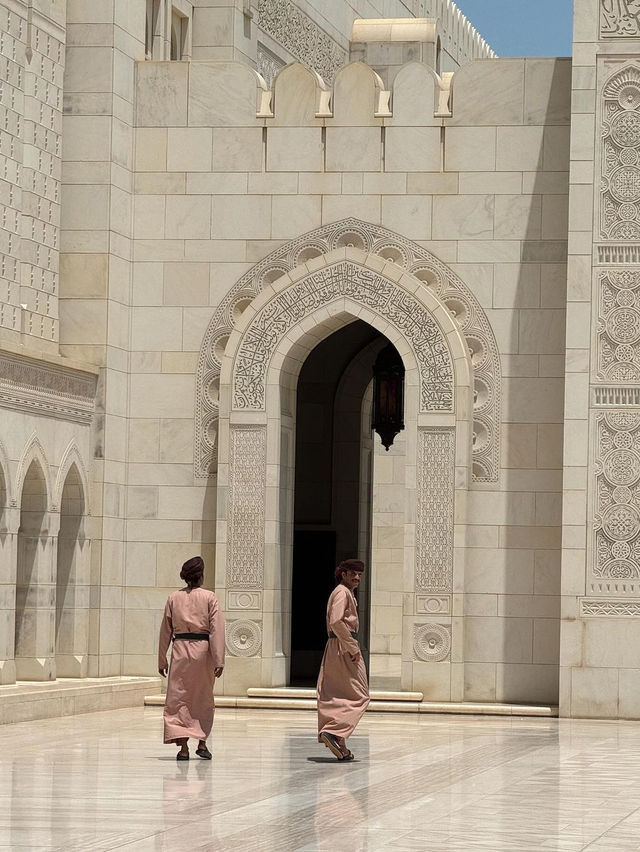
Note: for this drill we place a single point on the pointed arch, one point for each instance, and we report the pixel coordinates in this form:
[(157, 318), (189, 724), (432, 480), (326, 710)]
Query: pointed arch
[(348, 281), (33, 451), (70, 457), (400, 255), (300, 97)]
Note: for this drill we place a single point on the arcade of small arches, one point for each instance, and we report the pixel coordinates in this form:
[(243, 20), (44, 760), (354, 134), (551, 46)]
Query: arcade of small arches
[(45, 546)]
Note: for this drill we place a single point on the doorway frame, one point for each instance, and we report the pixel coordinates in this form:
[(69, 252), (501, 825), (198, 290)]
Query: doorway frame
[(256, 451)]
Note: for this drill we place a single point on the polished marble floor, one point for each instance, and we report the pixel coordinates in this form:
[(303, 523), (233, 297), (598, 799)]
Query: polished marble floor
[(104, 781)]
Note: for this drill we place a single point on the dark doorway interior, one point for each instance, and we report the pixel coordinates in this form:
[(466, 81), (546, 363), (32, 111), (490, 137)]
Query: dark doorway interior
[(314, 555), (328, 487)]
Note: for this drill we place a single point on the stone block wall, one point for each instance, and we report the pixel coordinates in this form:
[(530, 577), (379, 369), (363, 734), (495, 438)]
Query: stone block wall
[(484, 190)]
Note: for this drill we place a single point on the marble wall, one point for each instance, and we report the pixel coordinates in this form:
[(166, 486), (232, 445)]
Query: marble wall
[(482, 192), (152, 210), (600, 568)]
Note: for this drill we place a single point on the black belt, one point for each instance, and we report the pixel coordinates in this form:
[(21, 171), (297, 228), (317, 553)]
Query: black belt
[(203, 636), (332, 635)]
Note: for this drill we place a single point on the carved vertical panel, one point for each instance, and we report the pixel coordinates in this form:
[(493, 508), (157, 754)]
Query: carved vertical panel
[(615, 562), (620, 157), (618, 326), (434, 522), (247, 481)]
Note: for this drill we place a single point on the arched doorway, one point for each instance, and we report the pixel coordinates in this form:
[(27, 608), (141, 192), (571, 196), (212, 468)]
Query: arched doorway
[(332, 495), (35, 584), (72, 581), (258, 383)]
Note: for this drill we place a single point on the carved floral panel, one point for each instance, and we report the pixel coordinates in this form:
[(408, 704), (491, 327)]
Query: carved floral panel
[(434, 521), (616, 524), (620, 187), (247, 466), (618, 326)]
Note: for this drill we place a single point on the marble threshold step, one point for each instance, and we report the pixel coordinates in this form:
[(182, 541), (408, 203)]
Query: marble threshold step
[(26, 701), (292, 698)]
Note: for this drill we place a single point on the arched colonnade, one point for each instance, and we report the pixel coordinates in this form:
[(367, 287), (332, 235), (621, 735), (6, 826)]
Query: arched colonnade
[(45, 554)]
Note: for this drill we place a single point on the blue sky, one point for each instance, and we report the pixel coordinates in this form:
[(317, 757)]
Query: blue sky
[(523, 27)]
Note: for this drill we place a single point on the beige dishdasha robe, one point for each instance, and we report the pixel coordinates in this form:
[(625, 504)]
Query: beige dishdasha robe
[(189, 705), (343, 691)]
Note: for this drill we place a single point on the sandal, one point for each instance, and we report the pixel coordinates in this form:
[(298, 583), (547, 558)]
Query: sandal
[(332, 744), (204, 753), (348, 756)]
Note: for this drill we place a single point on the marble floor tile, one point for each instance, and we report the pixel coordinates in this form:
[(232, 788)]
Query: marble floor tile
[(104, 781)]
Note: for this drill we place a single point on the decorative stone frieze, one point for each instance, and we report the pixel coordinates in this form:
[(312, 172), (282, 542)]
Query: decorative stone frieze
[(616, 501), (434, 521), (366, 288), (614, 397), (619, 19), (243, 638), (245, 565), (591, 608), (434, 274), (29, 385), (618, 255), (301, 37), (432, 642)]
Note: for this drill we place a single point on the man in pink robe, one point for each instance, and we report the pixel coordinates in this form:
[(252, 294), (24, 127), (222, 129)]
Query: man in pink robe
[(192, 619), (343, 691)]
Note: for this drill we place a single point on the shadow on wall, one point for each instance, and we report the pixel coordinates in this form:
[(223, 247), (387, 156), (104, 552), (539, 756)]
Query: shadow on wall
[(533, 374)]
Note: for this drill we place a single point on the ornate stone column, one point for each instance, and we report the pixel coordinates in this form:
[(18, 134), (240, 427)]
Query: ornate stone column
[(36, 602), (10, 521)]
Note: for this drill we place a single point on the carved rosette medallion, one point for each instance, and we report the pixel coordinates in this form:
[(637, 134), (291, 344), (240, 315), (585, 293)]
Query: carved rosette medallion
[(432, 642), (322, 288), (616, 528), (434, 275), (620, 190), (619, 19), (434, 521), (243, 638)]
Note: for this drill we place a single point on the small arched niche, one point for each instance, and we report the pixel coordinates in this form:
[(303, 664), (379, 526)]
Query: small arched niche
[(35, 612), (72, 581)]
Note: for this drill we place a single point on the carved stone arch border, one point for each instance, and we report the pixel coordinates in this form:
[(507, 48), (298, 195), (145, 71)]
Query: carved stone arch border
[(408, 256), (34, 451), (350, 276), (70, 457)]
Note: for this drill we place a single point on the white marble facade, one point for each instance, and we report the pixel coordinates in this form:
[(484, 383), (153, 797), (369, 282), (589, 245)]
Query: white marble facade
[(180, 233)]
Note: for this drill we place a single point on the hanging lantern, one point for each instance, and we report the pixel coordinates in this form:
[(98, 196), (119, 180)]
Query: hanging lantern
[(388, 395)]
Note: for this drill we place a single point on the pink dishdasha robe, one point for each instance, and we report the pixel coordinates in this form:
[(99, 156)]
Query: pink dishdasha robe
[(189, 706), (343, 692)]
